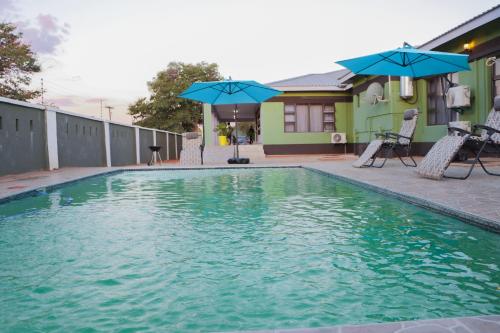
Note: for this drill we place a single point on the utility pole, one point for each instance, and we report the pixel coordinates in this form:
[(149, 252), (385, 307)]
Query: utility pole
[(43, 90), (109, 110)]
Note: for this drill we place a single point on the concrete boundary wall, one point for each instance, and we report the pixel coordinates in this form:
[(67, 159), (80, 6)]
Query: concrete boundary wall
[(146, 139), (36, 137), (80, 141)]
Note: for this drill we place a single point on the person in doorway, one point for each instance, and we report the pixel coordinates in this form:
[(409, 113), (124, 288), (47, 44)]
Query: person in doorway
[(229, 134), (251, 134)]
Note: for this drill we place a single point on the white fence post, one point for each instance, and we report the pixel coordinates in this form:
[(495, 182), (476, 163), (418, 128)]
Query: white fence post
[(168, 147), (107, 143), (51, 130), (176, 152), (137, 146)]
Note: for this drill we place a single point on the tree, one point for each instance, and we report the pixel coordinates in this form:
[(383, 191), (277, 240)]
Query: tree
[(163, 109), (17, 64)]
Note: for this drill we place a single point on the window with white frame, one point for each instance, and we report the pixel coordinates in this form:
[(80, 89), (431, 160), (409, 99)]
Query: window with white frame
[(437, 113), (303, 118)]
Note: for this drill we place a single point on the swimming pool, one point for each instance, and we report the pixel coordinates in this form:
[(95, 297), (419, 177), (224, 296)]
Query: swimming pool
[(219, 250)]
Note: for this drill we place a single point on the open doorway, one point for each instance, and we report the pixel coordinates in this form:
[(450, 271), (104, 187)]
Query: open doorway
[(247, 132)]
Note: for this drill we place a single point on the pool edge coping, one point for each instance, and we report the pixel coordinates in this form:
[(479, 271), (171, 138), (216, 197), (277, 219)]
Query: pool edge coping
[(442, 325)]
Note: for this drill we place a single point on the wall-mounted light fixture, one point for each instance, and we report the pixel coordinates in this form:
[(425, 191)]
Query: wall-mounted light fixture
[(469, 46)]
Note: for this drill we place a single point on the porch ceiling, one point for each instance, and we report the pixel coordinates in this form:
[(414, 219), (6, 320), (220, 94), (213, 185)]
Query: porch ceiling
[(246, 112)]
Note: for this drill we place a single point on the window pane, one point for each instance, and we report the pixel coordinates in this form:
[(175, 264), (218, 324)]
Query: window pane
[(497, 66), (302, 115), (497, 88), (316, 118), (328, 116), (328, 127), (328, 108), (437, 112), (289, 118), (289, 108), (289, 128)]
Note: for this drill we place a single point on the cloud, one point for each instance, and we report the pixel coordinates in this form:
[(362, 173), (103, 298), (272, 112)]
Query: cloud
[(93, 100), (7, 6), (45, 35), (63, 101)]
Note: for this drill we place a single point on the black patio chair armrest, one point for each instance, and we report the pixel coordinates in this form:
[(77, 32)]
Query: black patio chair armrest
[(397, 136), (489, 129), (459, 130)]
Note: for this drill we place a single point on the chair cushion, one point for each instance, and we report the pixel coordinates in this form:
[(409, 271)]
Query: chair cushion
[(410, 113), (440, 156)]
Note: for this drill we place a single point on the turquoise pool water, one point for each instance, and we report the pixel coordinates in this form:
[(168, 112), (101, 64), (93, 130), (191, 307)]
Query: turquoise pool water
[(220, 250)]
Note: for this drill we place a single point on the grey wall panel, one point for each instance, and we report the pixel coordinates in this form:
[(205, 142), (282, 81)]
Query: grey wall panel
[(146, 140), (80, 141), (179, 145), (22, 139), (122, 142), (171, 146), (161, 140)]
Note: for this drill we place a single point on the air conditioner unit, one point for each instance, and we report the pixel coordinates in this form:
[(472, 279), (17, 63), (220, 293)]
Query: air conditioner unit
[(338, 138), (458, 97)]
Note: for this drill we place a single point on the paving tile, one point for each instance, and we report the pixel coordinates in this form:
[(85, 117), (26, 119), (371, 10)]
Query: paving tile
[(311, 330), (425, 328), (477, 325), (374, 328), (460, 329)]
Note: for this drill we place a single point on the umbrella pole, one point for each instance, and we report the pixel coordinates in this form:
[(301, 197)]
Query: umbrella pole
[(202, 146), (236, 128)]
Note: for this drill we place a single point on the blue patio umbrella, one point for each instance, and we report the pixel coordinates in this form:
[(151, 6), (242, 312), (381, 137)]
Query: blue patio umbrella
[(408, 61), (229, 92)]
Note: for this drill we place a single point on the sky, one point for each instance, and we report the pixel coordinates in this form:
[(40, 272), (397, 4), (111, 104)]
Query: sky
[(108, 50)]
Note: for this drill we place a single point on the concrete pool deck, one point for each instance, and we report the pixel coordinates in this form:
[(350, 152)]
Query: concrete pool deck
[(474, 200), (478, 324)]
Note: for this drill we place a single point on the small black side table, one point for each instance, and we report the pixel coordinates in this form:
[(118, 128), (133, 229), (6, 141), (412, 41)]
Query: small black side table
[(155, 150)]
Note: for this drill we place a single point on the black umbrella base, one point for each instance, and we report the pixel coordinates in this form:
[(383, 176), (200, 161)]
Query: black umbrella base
[(241, 160)]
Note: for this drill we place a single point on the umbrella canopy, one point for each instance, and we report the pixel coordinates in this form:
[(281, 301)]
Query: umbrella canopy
[(229, 92), (408, 61)]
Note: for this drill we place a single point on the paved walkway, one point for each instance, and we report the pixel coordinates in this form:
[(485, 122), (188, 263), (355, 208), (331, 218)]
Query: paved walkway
[(480, 324)]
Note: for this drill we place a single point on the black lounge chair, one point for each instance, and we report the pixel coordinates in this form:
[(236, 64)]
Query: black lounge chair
[(444, 151), (390, 143)]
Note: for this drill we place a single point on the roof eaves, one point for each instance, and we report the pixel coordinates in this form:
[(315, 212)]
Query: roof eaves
[(473, 23)]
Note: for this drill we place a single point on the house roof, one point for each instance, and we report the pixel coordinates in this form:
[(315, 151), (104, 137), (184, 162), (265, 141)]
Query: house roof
[(330, 81), (471, 24)]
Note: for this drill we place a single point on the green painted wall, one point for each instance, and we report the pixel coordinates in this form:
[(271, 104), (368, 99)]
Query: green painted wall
[(273, 128), (370, 119)]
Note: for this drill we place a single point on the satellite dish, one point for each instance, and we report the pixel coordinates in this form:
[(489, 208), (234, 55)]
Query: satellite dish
[(374, 93)]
